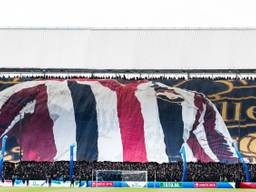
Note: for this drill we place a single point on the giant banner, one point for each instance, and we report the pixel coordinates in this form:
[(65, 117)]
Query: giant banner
[(136, 121)]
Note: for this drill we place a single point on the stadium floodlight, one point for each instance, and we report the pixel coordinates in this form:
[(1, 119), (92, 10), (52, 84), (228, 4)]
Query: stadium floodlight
[(131, 178)]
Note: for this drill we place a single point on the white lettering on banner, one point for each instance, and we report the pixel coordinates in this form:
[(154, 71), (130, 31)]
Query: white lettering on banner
[(7, 183), (56, 183), (136, 184), (38, 183)]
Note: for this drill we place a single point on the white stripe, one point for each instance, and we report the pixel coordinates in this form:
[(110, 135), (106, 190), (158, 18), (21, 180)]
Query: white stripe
[(189, 154), (109, 136), (153, 132), (188, 116), (60, 106), (188, 113)]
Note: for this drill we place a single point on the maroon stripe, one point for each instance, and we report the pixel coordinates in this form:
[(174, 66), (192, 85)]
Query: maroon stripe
[(216, 140), (131, 121), (36, 134), (197, 150), (193, 143)]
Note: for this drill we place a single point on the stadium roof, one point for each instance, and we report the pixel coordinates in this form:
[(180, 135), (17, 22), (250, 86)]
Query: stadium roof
[(127, 49)]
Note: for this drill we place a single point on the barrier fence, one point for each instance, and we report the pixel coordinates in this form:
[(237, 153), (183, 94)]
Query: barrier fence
[(128, 184)]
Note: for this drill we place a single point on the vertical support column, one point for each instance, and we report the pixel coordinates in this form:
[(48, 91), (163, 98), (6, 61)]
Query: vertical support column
[(241, 159), (71, 163), (4, 140), (183, 155)]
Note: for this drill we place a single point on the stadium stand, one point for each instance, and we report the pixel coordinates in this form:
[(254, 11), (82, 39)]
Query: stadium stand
[(83, 170), (179, 128)]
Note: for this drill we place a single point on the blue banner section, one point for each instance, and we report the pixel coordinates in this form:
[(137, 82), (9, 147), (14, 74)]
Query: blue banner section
[(225, 185)]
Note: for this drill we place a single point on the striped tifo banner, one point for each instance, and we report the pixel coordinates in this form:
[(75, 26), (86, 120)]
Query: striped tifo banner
[(108, 120)]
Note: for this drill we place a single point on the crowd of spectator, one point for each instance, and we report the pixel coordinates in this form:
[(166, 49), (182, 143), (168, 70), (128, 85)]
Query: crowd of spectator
[(84, 170), (123, 77)]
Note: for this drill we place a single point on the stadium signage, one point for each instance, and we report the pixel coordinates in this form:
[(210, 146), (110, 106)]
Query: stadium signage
[(80, 184), (136, 184), (56, 183), (248, 185), (170, 184), (6, 183), (19, 183), (38, 183), (102, 184), (205, 185)]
